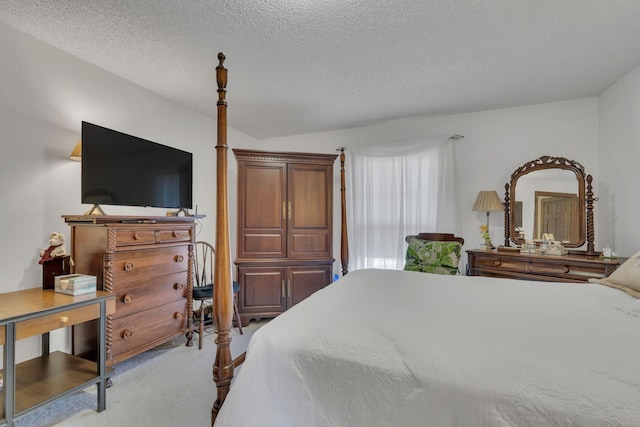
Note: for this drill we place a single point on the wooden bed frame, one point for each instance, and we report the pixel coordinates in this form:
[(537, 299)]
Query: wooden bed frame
[(224, 364)]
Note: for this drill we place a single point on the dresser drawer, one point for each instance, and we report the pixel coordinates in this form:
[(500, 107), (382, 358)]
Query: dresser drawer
[(148, 328), (567, 269), (126, 237), (175, 235), (149, 292), (142, 264), (500, 263)]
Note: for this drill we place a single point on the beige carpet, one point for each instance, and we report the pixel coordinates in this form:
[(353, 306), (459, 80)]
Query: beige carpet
[(171, 385)]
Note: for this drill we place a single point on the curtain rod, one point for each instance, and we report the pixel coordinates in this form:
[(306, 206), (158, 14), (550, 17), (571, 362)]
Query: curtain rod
[(453, 137)]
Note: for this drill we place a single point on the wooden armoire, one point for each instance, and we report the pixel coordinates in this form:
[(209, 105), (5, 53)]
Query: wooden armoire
[(285, 229)]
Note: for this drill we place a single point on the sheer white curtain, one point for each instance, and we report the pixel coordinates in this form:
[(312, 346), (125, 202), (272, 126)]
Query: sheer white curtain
[(397, 190)]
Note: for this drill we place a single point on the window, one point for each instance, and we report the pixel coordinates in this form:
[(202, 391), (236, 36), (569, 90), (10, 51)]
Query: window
[(393, 194)]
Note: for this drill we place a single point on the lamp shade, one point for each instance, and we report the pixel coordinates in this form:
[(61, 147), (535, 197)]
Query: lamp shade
[(488, 201), (76, 154)]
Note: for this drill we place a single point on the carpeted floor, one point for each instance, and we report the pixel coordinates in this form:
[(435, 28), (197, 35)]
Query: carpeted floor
[(171, 385)]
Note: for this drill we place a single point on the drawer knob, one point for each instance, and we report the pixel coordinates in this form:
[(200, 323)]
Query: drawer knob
[(178, 286), (64, 319), (565, 269), (136, 236), (127, 333), (177, 315), (178, 258), (175, 234), (497, 263), (127, 299), (128, 266)]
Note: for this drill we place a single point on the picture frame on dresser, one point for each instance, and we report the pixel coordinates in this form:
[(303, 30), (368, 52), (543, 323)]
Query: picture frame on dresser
[(532, 211)]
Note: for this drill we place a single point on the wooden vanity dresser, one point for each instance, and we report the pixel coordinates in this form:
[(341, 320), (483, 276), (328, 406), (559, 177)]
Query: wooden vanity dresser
[(547, 196), (147, 263)]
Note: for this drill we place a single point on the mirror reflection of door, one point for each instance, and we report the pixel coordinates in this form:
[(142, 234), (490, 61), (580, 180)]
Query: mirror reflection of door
[(556, 213)]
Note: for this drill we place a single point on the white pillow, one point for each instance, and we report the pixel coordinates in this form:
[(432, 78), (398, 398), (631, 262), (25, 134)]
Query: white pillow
[(626, 277)]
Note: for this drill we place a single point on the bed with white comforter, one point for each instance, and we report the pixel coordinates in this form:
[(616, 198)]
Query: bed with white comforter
[(396, 348)]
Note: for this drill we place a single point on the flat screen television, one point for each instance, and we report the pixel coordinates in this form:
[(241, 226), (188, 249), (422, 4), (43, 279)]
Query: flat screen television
[(124, 170)]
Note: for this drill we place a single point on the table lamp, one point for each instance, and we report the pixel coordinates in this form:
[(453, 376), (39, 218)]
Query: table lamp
[(488, 201)]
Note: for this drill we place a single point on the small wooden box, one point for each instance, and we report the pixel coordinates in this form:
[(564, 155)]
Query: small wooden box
[(56, 267), (75, 284)]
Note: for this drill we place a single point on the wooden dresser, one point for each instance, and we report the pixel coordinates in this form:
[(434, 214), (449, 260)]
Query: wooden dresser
[(147, 263), (514, 265), (285, 229)]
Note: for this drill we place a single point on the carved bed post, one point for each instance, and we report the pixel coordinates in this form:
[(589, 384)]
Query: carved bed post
[(344, 240), (223, 294)]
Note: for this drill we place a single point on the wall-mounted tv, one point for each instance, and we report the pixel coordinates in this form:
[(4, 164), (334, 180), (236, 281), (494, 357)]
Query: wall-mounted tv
[(121, 169)]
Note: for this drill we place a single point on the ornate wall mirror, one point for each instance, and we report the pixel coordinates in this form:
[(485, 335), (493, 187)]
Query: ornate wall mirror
[(550, 195)]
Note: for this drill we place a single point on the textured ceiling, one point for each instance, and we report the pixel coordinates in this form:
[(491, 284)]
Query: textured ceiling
[(300, 66)]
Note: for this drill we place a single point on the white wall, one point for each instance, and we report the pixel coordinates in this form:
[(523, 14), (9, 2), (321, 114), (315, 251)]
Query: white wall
[(44, 95), (495, 144), (619, 155)]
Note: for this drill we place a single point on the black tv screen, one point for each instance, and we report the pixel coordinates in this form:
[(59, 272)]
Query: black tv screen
[(121, 169)]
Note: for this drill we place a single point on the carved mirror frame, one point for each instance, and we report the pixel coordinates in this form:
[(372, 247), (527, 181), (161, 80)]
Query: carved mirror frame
[(585, 199)]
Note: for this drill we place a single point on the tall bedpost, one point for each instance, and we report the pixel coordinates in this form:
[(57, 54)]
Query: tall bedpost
[(344, 240), (223, 293)]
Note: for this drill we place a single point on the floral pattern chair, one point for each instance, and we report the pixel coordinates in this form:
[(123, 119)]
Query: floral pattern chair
[(437, 253)]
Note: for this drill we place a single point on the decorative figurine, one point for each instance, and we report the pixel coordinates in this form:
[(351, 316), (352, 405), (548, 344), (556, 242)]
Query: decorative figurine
[(56, 248)]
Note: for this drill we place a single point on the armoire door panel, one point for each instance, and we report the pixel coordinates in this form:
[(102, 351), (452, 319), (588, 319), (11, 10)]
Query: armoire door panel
[(265, 185), (262, 289), (264, 195), (262, 190), (308, 195), (309, 244), (263, 244), (309, 226), (304, 281)]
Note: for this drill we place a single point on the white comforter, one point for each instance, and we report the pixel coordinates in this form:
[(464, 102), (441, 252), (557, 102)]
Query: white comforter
[(394, 348)]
